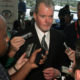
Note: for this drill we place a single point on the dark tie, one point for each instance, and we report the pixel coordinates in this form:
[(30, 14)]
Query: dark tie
[(43, 43)]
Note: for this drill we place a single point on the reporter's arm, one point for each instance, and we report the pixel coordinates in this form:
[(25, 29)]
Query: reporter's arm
[(28, 66), (15, 44), (22, 60), (22, 73)]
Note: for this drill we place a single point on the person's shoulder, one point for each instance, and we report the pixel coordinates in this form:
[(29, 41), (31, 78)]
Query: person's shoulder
[(57, 33), (70, 26)]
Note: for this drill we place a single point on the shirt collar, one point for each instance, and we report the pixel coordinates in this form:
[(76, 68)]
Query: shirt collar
[(40, 33)]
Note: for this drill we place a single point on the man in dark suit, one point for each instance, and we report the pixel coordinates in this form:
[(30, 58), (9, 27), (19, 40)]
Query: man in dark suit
[(56, 57)]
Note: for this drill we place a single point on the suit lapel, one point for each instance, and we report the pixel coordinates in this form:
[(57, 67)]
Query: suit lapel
[(52, 40), (35, 38)]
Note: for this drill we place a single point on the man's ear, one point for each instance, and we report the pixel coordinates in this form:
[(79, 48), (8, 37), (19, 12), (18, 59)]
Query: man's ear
[(34, 15), (7, 39)]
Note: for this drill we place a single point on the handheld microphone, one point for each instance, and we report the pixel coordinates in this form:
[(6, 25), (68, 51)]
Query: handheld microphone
[(29, 49), (28, 35), (66, 47)]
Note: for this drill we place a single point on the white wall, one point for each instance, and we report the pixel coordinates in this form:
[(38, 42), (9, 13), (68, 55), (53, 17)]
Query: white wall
[(9, 9)]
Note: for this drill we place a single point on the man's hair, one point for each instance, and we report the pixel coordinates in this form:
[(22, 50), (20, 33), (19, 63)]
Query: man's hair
[(78, 5), (48, 3)]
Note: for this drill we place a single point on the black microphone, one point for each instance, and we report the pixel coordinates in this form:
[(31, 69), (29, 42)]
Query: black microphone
[(32, 47)]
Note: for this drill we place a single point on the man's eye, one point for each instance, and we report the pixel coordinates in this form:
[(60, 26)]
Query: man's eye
[(51, 16), (42, 16)]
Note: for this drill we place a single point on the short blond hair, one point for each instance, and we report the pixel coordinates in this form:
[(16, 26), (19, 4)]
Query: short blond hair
[(48, 3)]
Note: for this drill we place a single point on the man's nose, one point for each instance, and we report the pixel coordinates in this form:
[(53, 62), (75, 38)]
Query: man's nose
[(47, 20)]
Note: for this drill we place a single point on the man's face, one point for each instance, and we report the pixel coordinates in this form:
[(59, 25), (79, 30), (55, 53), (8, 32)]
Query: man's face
[(67, 18), (78, 12), (44, 17), (3, 42)]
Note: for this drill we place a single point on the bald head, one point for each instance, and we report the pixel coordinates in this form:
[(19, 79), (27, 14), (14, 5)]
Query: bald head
[(3, 36), (2, 23)]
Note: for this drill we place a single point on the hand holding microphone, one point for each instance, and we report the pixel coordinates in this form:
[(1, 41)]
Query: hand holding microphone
[(67, 48), (70, 53), (41, 56)]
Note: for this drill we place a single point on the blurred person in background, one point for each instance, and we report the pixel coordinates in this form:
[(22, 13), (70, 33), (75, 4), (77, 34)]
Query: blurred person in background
[(65, 18)]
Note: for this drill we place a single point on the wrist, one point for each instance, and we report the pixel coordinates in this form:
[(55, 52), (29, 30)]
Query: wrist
[(14, 67), (11, 71), (29, 65)]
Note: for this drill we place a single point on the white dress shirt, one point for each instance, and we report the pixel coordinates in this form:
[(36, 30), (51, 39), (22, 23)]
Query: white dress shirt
[(41, 34)]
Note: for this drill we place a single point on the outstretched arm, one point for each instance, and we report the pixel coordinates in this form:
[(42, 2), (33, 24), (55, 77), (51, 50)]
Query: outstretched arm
[(22, 60), (28, 66), (15, 44)]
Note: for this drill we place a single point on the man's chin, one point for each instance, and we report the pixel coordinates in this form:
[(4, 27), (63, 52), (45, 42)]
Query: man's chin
[(45, 31)]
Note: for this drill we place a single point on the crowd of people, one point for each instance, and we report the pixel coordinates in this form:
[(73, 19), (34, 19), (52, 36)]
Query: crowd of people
[(37, 52)]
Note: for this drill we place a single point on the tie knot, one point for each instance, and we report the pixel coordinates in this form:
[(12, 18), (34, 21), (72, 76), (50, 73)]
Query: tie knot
[(43, 37), (43, 43)]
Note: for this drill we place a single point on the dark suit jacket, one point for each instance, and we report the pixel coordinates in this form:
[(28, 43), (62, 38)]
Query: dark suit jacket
[(56, 56)]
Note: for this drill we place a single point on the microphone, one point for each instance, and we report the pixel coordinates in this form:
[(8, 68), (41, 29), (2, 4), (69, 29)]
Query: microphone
[(65, 70), (28, 35), (66, 47), (29, 50), (32, 47)]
